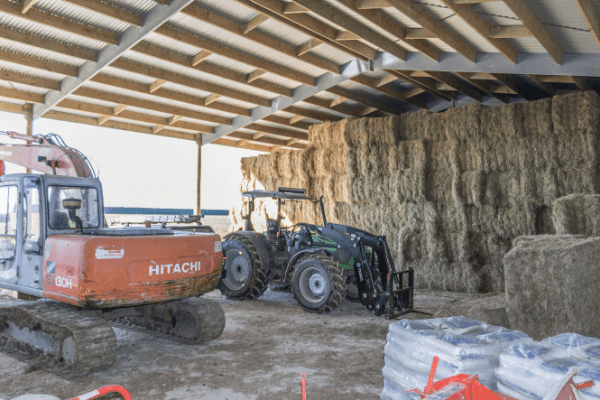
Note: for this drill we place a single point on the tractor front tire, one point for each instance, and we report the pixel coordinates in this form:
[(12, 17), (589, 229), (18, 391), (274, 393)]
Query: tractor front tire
[(318, 284), (245, 279), (352, 290)]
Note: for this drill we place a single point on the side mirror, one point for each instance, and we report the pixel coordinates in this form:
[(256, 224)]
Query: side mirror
[(32, 246)]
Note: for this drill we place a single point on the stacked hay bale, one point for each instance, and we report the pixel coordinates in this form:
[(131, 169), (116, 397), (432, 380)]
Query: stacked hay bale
[(577, 214), (451, 190)]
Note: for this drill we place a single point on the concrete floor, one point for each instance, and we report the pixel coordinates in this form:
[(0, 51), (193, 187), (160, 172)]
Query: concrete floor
[(266, 345)]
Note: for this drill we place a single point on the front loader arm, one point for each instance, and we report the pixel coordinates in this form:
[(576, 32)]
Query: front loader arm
[(46, 156)]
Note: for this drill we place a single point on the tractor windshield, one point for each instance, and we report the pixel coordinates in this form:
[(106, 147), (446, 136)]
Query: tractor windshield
[(59, 216)]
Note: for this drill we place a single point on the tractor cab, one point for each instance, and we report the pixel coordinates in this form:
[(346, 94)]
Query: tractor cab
[(280, 236)]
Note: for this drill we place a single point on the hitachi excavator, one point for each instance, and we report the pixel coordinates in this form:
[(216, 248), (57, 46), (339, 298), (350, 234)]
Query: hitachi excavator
[(56, 250)]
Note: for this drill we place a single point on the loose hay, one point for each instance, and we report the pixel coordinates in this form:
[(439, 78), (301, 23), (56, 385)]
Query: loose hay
[(450, 190), (552, 285)]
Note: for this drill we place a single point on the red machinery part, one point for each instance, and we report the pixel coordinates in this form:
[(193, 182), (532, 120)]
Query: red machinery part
[(105, 390), (468, 387), (303, 378)]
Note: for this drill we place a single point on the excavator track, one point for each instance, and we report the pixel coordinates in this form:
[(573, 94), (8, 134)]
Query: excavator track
[(56, 338), (191, 321)]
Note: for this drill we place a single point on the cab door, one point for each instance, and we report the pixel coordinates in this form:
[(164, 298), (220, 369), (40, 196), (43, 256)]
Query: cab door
[(10, 231), (32, 257)]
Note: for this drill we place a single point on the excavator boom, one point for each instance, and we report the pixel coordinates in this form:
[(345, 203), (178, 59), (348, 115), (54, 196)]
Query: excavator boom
[(46, 154)]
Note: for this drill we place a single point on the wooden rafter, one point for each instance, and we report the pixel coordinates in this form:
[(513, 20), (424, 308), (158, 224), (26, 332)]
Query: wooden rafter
[(310, 26), (456, 83), (335, 105), (590, 16), (482, 27), (170, 94), (264, 140), (302, 113), (414, 12), (262, 130), (364, 100), (546, 87), (168, 76), (26, 5), (487, 87), (426, 84), (380, 87), (223, 23), (353, 26), (249, 146), (531, 21), (510, 32), (150, 105), (208, 68), (385, 22), (57, 22), (234, 54), (109, 10)]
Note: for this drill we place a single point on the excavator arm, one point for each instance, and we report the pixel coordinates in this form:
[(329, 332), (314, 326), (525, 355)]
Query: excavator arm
[(47, 154)]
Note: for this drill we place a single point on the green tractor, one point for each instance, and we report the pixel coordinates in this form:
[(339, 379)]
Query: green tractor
[(321, 264)]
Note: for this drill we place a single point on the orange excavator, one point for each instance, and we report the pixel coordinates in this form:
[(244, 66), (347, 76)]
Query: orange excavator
[(55, 249)]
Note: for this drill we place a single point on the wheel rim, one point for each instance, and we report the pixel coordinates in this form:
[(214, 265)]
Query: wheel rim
[(313, 285), (238, 270)]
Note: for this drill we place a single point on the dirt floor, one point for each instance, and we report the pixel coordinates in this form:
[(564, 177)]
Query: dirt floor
[(266, 345)]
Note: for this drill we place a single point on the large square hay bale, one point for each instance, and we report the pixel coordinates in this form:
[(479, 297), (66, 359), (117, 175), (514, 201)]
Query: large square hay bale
[(577, 214), (552, 285)]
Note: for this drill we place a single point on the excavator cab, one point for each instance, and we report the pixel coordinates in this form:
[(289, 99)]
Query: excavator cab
[(32, 209)]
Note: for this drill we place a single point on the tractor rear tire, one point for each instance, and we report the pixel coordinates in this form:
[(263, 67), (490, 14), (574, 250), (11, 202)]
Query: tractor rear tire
[(245, 279), (318, 284)]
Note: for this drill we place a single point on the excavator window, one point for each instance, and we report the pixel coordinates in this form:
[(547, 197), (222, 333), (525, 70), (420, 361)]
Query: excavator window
[(59, 217), (32, 227), (8, 221)]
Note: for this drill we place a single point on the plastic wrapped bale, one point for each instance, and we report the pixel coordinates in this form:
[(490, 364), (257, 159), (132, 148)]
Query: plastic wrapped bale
[(577, 214), (552, 285), (464, 346), (528, 371), (490, 308)]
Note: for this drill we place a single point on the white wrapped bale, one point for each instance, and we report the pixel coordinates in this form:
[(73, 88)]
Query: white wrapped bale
[(464, 346), (528, 371)]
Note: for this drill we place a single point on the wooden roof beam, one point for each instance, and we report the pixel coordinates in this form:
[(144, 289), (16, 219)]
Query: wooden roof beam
[(310, 26), (385, 22), (21, 95), (248, 146), (169, 94), (353, 26), (263, 140), (531, 21), (168, 76), (302, 113), (414, 12), (590, 16), (308, 46), (109, 10), (26, 5), (57, 22), (376, 85), (546, 87), (455, 82), (481, 26), (487, 87), (234, 54), (223, 23), (150, 105), (262, 130), (581, 82), (426, 84), (209, 68), (510, 32), (253, 23), (364, 100), (334, 105)]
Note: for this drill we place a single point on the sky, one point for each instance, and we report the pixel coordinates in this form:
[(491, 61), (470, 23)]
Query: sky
[(142, 170)]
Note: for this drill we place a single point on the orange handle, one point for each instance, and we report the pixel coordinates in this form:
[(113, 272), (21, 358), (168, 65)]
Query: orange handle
[(303, 377), (102, 391)]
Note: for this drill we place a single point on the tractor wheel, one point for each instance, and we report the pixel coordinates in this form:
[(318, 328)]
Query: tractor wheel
[(352, 290), (245, 278), (318, 284)]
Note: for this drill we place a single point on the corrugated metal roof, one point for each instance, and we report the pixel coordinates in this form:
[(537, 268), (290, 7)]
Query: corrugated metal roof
[(81, 15), (34, 28), (20, 48), (137, 7), (35, 72), (23, 88)]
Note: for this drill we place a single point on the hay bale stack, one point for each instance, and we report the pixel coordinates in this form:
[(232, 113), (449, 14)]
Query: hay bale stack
[(552, 284), (489, 308), (451, 191), (577, 214)]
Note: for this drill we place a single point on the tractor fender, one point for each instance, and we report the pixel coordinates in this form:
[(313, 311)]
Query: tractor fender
[(297, 257), (260, 242)]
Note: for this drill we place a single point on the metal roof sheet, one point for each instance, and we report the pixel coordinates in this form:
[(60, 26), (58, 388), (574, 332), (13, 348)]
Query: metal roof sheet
[(32, 51), (81, 15)]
